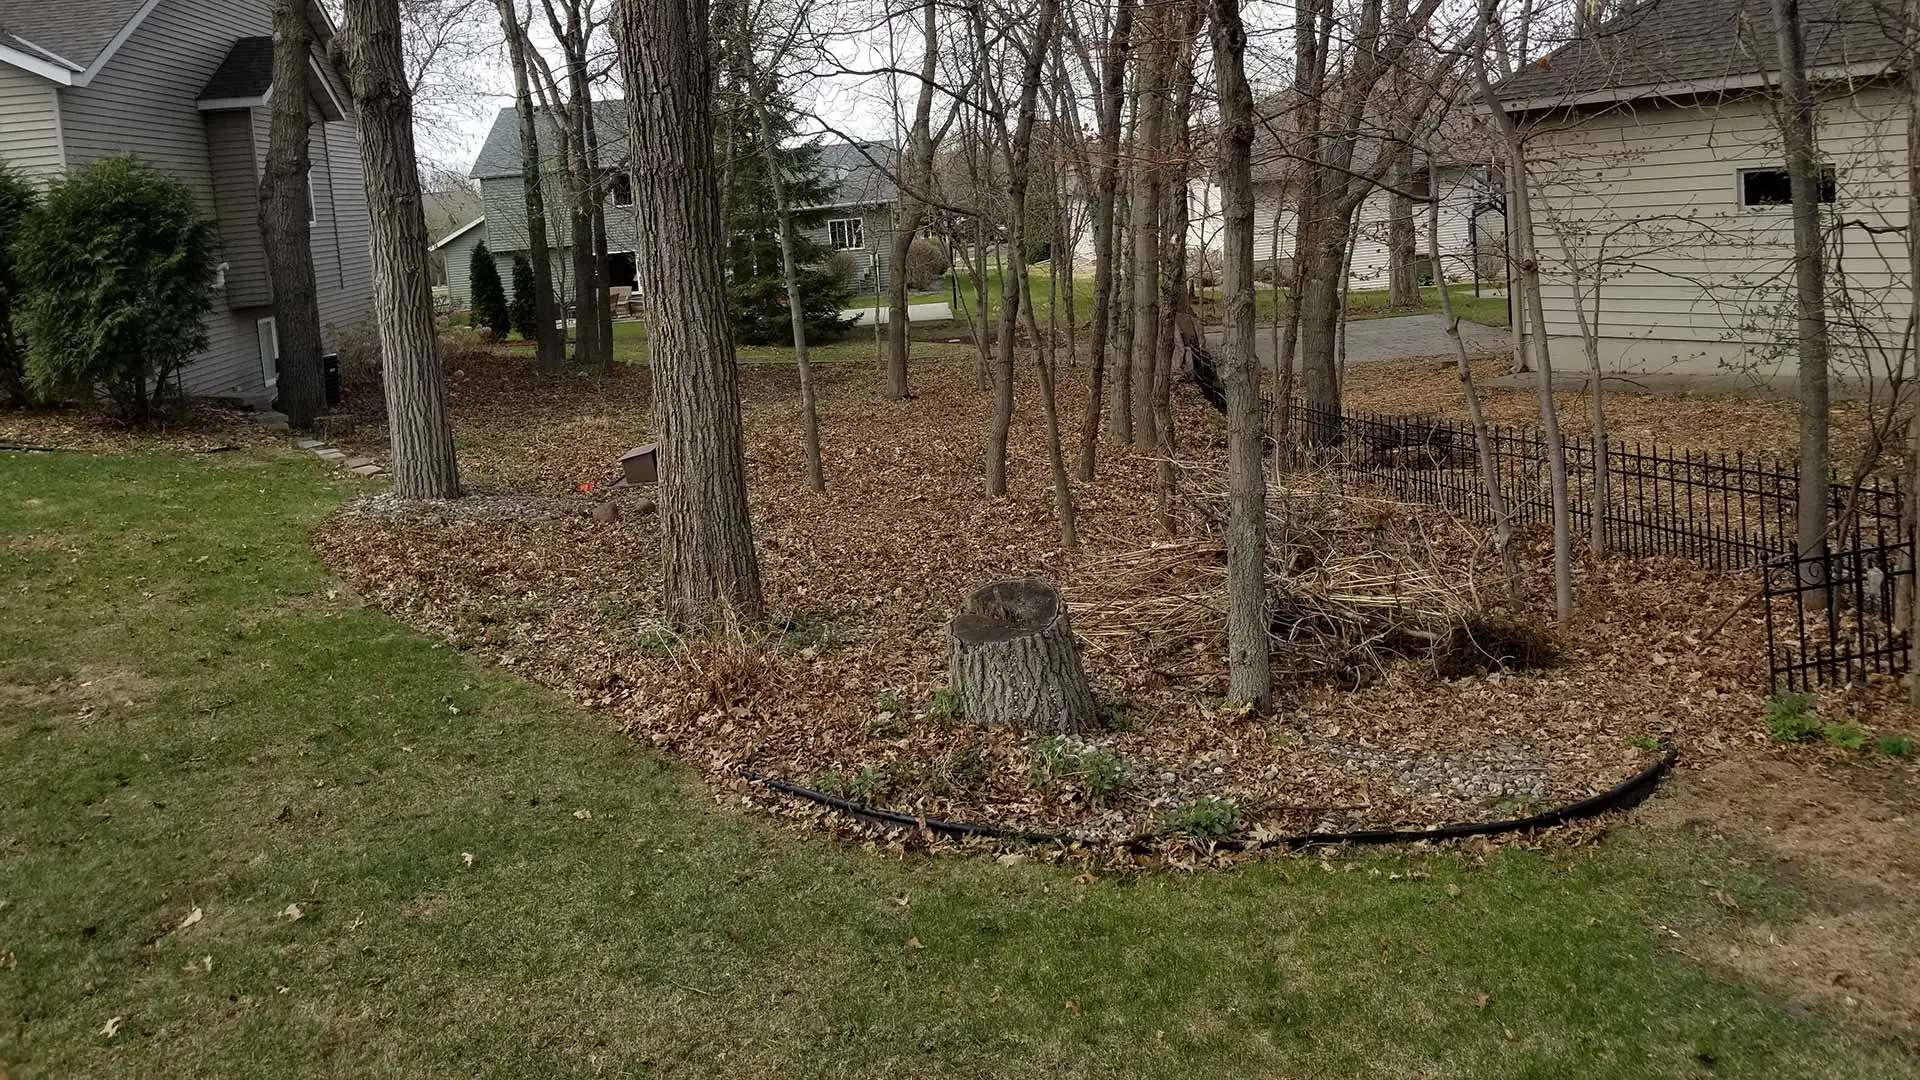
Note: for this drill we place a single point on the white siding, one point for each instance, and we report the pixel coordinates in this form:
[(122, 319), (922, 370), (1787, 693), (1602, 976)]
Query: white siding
[(1646, 204), (29, 124), (1460, 190)]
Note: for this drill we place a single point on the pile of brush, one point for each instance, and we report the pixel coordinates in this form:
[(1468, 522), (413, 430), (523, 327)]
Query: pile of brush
[(1353, 581)]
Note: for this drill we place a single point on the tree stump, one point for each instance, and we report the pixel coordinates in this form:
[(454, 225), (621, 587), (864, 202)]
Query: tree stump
[(1013, 661)]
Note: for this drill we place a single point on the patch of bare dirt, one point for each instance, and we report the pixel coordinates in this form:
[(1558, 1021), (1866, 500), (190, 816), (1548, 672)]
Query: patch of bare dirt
[(862, 579), (86, 690), (1845, 830)]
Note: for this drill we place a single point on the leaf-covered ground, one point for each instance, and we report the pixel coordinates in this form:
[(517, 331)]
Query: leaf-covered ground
[(844, 692), (195, 719)]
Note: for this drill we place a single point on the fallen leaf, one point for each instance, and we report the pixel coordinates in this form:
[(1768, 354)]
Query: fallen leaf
[(193, 916), (291, 911), (913, 943), (583, 813), (1452, 889), (1482, 1001), (112, 1027), (466, 858)]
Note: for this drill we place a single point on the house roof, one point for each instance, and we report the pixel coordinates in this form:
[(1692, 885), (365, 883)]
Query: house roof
[(858, 180), (499, 156), (71, 36), (458, 233), (247, 72), (1663, 48)]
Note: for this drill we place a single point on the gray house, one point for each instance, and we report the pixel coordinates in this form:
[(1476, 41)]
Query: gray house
[(185, 85), (862, 222)]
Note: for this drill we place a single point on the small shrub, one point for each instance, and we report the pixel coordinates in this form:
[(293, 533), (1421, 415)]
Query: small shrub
[(490, 311), (1790, 718), (117, 266), (806, 630), (1099, 771), (841, 268), (17, 199), (926, 261), (1846, 736), (358, 345), (1208, 817), (460, 346), (961, 768), (890, 701), (945, 704), (1894, 745), (859, 787), (1644, 742), (520, 310)]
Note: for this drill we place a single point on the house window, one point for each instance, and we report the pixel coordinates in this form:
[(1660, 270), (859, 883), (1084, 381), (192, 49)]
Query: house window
[(846, 234), (621, 185), (269, 337), (1765, 189)]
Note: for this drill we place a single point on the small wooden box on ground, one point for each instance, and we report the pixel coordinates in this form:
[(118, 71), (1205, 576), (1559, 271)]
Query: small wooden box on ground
[(640, 465)]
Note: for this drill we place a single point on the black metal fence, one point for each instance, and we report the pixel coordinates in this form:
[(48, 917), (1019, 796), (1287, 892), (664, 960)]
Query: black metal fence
[(1830, 619)]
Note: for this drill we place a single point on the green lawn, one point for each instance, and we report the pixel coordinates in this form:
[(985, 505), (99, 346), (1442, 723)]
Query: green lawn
[(410, 864)]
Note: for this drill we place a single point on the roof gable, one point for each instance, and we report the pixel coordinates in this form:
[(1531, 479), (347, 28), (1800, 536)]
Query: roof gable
[(68, 40), (1662, 48)]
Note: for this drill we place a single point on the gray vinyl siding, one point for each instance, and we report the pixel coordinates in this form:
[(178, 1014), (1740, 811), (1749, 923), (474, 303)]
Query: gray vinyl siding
[(875, 260), (236, 198), (459, 256), (342, 265), (29, 124)]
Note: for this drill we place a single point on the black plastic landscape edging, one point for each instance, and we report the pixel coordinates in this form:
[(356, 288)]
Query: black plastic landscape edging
[(1624, 795)]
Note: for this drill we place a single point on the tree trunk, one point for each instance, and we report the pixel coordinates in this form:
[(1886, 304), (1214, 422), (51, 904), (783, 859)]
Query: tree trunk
[(423, 458), (1145, 200), (1403, 281), (602, 285), (1012, 660), (1113, 77), (286, 216), (1016, 149), (1912, 11), (1483, 444), (796, 306), (1520, 208), (909, 213), (1809, 277), (1249, 657), (549, 346), (708, 567)]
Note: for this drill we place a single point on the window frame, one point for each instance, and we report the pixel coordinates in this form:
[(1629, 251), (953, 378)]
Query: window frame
[(858, 228), (613, 188), (1830, 175)]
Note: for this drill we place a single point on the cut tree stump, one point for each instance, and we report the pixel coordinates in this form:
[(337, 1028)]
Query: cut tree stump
[(1013, 661)]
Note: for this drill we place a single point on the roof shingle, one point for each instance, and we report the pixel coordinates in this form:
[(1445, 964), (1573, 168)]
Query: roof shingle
[(246, 73), (76, 31)]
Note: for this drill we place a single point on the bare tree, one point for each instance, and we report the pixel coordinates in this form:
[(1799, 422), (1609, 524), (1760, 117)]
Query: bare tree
[(1113, 75), (709, 570), (1912, 16), (909, 211), (286, 218), (1809, 270), (423, 459), (1527, 257), (1155, 75), (549, 348), (1249, 656), (796, 307), (1016, 151)]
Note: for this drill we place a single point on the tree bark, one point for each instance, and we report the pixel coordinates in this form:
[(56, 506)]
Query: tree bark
[(286, 219), (1113, 77), (909, 213), (708, 567), (1520, 207), (1912, 12), (1809, 277), (796, 306), (1016, 150), (549, 347), (1403, 282), (1249, 656), (423, 459), (1156, 58), (1012, 660)]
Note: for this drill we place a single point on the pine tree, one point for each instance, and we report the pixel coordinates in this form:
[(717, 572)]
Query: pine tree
[(521, 311), (757, 292), (489, 297)]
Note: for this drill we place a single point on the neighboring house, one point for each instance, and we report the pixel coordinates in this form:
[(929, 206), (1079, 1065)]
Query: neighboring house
[(184, 85), (861, 223), (1472, 225), (1662, 203), (456, 250)]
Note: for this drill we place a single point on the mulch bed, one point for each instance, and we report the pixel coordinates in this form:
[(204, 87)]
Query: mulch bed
[(841, 692)]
